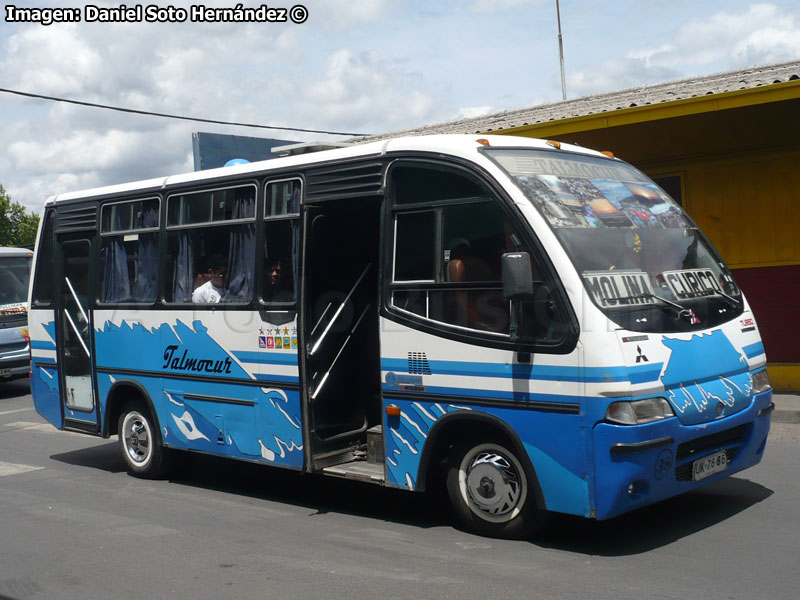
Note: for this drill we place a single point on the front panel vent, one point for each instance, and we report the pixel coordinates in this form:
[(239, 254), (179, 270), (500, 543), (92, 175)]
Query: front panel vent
[(418, 363)]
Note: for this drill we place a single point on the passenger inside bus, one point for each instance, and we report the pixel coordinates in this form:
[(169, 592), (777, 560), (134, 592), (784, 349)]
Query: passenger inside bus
[(276, 288), (211, 291)]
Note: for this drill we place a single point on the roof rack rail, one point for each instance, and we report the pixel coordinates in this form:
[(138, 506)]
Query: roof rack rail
[(306, 147)]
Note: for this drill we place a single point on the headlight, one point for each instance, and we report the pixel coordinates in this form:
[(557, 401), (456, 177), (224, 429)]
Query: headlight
[(639, 411), (761, 382)]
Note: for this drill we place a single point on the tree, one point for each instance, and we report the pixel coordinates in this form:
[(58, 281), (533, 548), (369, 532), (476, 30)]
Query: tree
[(17, 226)]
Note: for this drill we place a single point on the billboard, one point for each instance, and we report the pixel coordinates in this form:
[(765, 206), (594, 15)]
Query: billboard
[(212, 150)]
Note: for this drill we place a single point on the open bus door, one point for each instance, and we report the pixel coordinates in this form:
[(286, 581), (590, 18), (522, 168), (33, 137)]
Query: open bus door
[(341, 350), (74, 338)]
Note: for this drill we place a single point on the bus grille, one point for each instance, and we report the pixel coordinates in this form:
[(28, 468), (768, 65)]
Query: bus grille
[(14, 347), (731, 440), (684, 472)]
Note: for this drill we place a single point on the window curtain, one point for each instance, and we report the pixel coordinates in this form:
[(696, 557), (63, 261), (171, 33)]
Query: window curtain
[(183, 277), (116, 280), (295, 208), (241, 252), (144, 286)]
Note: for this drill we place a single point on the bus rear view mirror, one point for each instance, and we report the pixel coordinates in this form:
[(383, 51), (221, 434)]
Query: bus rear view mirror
[(517, 275)]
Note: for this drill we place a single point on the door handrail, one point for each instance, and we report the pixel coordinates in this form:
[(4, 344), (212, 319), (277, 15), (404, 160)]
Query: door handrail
[(78, 333), (318, 388), (75, 296), (339, 310), (319, 321)]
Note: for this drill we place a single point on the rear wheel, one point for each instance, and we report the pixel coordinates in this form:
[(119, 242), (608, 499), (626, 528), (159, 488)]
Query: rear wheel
[(490, 492), (139, 442)]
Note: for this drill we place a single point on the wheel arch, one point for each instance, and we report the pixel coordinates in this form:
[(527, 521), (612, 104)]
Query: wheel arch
[(462, 425), (120, 392)]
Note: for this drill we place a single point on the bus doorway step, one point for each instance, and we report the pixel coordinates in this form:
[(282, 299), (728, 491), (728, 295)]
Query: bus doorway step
[(375, 444), (357, 469)]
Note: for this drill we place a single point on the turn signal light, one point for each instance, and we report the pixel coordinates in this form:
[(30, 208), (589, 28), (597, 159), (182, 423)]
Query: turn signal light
[(392, 411), (554, 144), (483, 141), (608, 153)]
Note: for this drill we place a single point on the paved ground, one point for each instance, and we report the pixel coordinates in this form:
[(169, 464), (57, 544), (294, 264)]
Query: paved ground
[(787, 408)]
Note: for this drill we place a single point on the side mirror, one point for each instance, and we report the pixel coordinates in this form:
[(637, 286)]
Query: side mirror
[(517, 275)]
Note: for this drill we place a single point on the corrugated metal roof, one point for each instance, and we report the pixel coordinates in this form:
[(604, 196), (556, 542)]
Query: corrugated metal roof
[(681, 89)]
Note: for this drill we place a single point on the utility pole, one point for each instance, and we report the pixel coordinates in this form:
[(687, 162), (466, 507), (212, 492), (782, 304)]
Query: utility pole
[(561, 53)]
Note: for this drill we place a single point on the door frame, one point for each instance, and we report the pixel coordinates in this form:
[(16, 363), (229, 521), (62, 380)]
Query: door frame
[(91, 422)]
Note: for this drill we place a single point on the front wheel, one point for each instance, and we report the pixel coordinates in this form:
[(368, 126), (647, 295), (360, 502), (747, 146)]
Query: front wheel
[(139, 443), (490, 492)]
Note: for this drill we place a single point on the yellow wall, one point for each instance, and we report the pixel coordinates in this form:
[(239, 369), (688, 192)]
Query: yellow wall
[(748, 205)]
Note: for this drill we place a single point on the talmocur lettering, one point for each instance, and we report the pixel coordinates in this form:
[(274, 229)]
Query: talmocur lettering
[(199, 365)]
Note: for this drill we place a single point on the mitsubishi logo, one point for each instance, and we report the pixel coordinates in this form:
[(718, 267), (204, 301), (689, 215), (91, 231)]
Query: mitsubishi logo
[(640, 357)]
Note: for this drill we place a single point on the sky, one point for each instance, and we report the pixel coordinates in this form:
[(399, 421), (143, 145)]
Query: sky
[(363, 66)]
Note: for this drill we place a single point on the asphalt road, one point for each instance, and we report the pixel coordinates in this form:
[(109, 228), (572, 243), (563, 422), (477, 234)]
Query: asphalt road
[(74, 524)]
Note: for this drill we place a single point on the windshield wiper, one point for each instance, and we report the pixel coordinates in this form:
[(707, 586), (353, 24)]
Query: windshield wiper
[(682, 311), (733, 301)]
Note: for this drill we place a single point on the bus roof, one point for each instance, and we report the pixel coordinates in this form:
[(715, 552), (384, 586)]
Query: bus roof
[(464, 145)]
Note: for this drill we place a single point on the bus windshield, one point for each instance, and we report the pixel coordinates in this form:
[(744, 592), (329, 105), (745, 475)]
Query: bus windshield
[(640, 256), (14, 274)]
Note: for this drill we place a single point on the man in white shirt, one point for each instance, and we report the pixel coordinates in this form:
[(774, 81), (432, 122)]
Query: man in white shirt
[(211, 291)]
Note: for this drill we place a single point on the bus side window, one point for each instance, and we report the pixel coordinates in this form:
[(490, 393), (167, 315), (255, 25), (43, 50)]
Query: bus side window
[(129, 251), (211, 237), (447, 262), (282, 212)]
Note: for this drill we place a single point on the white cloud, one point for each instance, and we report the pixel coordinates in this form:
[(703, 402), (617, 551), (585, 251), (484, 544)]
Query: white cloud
[(761, 33), (361, 90), (470, 112), (49, 61), (491, 6), (757, 34), (616, 74), (342, 14)]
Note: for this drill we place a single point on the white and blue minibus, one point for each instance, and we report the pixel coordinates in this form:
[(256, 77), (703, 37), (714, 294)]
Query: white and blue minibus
[(535, 325)]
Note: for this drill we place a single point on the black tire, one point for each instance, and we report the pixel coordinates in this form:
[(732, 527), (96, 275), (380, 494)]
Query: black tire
[(140, 443), (490, 492)]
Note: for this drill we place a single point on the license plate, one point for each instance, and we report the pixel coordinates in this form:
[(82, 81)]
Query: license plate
[(5, 372), (705, 467)]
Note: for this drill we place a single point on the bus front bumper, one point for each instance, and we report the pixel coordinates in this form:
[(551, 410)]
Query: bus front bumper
[(641, 464)]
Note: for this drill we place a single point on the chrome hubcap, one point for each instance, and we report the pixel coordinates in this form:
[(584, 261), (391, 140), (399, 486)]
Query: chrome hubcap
[(137, 438), (493, 485)]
